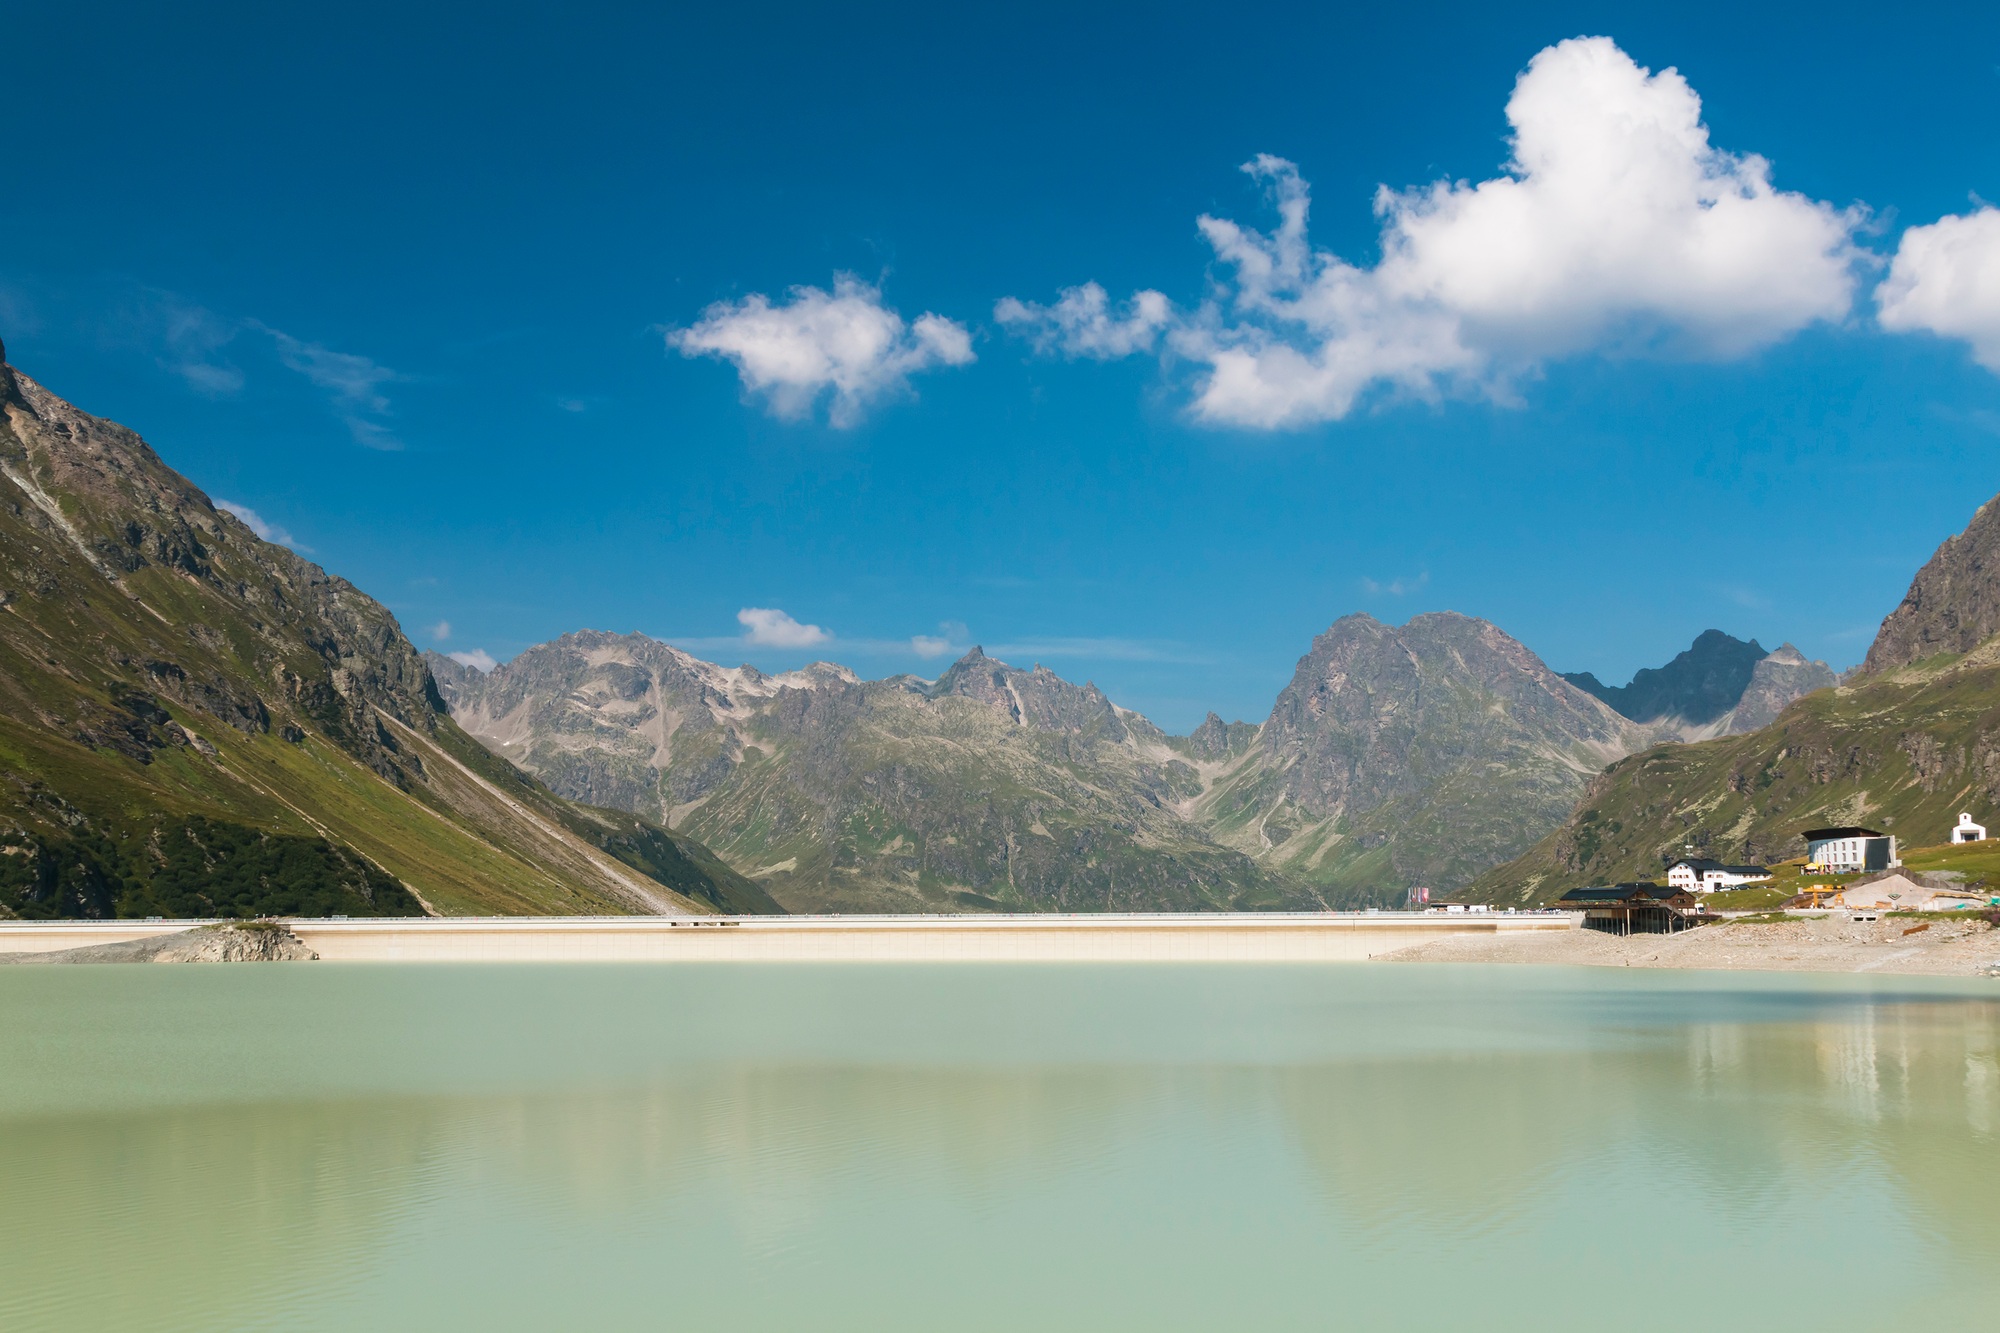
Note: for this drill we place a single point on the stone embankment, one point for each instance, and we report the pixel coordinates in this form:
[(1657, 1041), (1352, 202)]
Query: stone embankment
[(1934, 945), (228, 942)]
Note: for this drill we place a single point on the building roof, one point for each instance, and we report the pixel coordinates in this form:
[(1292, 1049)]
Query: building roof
[(1620, 893), (1844, 831), (1706, 866)]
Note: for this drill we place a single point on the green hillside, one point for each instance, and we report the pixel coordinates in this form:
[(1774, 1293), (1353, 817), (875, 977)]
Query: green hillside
[(1904, 751), (184, 704)]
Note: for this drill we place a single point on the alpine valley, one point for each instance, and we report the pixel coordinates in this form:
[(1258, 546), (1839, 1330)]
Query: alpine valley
[(200, 722)]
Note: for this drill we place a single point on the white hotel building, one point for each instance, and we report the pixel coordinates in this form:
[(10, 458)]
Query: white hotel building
[(1843, 850)]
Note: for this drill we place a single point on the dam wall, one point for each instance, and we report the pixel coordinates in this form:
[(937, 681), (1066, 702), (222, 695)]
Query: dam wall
[(1270, 937)]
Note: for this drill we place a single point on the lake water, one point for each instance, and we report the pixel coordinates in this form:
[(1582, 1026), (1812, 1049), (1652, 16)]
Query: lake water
[(1047, 1148)]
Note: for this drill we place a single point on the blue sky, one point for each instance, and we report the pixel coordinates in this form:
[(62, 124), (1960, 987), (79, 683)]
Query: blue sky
[(497, 311)]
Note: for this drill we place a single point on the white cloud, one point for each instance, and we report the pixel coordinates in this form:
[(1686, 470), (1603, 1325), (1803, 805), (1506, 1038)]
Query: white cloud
[(844, 345), (441, 631), (1617, 225), (189, 340), (254, 521), (353, 382), (478, 659), (1400, 586), (772, 628), (192, 339), (1945, 280), (952, 640), (1082, 323)]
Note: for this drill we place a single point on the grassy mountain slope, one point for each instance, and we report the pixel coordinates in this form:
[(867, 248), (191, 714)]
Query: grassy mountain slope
[(1905, 746), (1903, 751), (166, 674)]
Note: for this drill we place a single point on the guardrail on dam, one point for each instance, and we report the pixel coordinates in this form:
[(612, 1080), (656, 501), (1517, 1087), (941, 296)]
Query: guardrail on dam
[(1107, 937)]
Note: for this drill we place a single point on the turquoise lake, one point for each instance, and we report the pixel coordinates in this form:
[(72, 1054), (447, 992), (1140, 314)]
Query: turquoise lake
[(325, 1146)]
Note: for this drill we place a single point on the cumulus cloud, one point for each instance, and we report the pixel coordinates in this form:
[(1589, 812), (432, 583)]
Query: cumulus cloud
[(1616, 225), (441, 631), (254, 521), (1945, 279), (1082, 322), (773, 628), (478, 659), (844, 346)]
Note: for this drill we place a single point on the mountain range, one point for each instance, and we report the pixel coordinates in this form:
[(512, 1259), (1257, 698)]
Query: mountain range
[(1397, 755), (194, 721)]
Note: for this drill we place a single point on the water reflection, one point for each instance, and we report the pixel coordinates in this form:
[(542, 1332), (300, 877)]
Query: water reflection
[(1732, 1135)]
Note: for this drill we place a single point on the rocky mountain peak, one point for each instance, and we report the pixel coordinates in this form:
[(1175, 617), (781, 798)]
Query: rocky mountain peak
[(1368, 692), (1411, 754), (1215, 739), (1701, 685), (1038, 699), (1953, 604), (1775, 682)]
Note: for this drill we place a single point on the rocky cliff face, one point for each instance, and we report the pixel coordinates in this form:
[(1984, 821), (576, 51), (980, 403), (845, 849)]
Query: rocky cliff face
[(173, 687), (1776, 682), (992, 787), (1718, 687), (1953, 604), (1698, 687), (1415, 754)]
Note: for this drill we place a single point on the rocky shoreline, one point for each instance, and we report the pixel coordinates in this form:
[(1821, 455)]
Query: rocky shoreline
[(1962, 945)]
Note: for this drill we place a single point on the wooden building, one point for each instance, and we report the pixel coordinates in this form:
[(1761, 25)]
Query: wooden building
[(1636, 909)]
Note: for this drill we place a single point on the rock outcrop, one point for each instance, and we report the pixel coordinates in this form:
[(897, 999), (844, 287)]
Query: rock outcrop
[(1776, 682), (1953, 604), (249, 942)]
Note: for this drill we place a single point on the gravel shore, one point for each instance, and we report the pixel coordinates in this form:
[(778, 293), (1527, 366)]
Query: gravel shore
[(1833, 943), (227, 943)]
